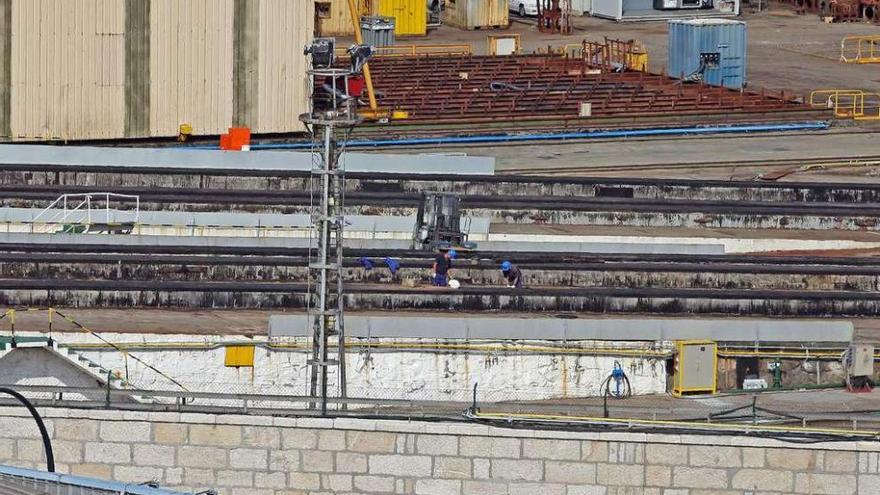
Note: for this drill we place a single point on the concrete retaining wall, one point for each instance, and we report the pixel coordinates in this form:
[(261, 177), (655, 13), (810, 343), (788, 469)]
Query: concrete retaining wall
[(382, 373), (241, 455)]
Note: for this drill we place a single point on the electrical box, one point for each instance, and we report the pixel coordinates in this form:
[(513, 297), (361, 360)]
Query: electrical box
[(754, 384), (709, 50), (862, 360), (696, 365), (240, 356)]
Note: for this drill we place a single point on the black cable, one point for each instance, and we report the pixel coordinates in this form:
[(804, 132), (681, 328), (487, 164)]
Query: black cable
[(47, 443), (617, 376), (791, 437)]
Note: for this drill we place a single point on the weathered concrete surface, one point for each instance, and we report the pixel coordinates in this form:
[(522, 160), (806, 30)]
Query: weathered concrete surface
[(482, 274), (590, 300), (218, 162), (239, 455)]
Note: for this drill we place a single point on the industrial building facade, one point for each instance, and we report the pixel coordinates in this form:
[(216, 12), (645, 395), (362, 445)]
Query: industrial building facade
[(106, 69)]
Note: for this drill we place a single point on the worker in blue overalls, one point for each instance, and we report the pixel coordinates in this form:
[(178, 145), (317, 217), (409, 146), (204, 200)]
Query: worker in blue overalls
[(513, 275), (443, 267)]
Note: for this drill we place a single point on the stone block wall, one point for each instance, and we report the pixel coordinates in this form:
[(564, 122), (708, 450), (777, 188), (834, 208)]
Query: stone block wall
[(252, 455)]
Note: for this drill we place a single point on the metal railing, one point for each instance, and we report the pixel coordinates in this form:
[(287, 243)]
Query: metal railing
[(848, 103), (417, 50), (75, 212), (860, 49)]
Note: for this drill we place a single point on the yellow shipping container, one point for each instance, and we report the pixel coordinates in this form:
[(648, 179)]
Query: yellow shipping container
[(476, 14), (332, 17), (410, 16)]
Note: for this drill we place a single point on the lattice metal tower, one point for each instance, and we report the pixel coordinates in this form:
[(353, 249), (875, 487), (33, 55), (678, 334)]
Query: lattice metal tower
[(333, 114)]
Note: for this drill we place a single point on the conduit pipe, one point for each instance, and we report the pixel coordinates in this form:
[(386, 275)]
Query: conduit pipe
[(517, 138)]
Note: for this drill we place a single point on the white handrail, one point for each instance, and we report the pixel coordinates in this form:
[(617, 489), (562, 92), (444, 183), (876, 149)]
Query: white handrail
[(83, 204)]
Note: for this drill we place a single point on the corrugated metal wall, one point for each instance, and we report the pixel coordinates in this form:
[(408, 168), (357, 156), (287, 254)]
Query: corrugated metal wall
[(67, 69), (107, 69), (5, 65), (282, 85), (334, 19), (190, 65), (473, 14)]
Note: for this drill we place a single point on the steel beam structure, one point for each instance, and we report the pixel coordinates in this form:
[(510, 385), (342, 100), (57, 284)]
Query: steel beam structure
[(533, 87), (332, 110)]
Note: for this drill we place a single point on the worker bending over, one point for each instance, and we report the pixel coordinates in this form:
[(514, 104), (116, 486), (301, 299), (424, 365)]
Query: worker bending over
[(443, 267), (513, 275)]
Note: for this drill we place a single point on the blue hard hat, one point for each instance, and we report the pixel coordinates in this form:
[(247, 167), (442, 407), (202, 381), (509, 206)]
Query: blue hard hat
[(505, 266), (452, 254)]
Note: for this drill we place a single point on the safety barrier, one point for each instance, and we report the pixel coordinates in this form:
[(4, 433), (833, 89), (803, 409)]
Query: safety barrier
[(202, 230), (417, 50), (848, 103), (860, 49), (52, 313)]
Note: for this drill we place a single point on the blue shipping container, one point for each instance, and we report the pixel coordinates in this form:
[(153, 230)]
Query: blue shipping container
[(711, 50)]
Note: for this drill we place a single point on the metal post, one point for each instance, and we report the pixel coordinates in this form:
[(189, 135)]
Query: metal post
[(326, 309)]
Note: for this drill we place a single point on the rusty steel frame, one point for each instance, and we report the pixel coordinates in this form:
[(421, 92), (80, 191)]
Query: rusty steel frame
[(554, 16), (528, 87), (840, 10)]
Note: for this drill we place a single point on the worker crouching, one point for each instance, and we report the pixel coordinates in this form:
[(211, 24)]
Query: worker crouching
[(443, 268), (512, 274)]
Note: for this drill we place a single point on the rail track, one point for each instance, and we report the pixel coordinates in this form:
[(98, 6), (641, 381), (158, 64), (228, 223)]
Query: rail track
[(114, 255), (791, 164), (474, 202), (15, 248), (228, 277), (57, 285), (543, 176)]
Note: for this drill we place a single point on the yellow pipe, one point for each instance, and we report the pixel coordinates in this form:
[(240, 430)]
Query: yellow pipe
[(786, 354), (658, 422), (474, 347), (355, 21), (393, 345)]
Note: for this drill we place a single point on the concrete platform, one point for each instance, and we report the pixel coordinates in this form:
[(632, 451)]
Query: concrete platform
[(186, 158), (708, 157), (510, 327), (256, 322), (732, 240)]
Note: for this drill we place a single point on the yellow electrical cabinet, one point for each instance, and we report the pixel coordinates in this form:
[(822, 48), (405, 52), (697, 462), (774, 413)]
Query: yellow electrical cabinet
[(696, 367), (240, 356), (410, 16)]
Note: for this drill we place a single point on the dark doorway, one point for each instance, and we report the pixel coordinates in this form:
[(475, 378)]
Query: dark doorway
[(746, 367)]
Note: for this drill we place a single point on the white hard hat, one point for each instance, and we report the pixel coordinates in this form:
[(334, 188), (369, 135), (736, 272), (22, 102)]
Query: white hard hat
[(454, 284)]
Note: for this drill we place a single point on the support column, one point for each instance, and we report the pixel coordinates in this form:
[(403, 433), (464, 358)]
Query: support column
[(137, 68), (5, 69), (245, 63)]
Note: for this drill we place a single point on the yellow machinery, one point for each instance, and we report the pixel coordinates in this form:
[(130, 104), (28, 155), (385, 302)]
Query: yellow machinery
[(374, 112), (696, 367), (860, 49), (848, 103), (355, 20), (631, 54), (637, 57)]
